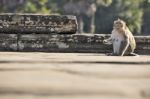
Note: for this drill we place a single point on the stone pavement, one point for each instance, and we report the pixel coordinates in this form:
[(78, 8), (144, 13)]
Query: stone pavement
[(73, 76)]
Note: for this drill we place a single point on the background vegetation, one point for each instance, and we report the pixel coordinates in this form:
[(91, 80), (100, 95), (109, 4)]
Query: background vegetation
[(135, 12)]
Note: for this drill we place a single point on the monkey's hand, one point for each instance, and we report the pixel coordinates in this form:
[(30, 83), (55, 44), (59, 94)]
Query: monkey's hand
[(107, 41)]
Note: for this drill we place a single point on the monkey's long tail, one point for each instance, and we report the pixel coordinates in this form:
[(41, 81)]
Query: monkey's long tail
[(132, 54)]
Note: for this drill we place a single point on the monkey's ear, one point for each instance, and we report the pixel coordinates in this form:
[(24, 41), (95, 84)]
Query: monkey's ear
[(115, 21), (118, 19)]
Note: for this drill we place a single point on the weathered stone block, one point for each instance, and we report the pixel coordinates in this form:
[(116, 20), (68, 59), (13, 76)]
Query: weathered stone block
[(143, 48), (38, 42), (74, 43), (33, 23), (63, 43), (8, 42), (142, 39)]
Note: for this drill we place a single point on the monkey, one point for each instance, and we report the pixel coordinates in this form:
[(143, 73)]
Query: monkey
[(122, 40)]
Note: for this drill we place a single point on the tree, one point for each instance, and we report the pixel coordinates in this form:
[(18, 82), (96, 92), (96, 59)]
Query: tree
[(85, 12), (146, 16), (7, 6), (128, 10), (34, 6)]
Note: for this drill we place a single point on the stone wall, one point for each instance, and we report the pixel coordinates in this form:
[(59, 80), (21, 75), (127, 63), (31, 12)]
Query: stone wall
[(65, 43), (8, 42)]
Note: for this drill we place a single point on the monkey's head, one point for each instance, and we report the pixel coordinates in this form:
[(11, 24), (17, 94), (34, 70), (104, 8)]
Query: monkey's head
[(119, 24)]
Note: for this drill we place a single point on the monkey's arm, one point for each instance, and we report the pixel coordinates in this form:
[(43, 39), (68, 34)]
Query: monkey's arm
[(108, 41), (124, 45)]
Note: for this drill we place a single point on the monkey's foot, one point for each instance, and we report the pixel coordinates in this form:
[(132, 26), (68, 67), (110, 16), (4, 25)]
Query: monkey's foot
[(132, 54)]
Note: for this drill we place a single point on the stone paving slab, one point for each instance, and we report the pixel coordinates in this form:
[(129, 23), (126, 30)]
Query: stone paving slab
[(73, 76)]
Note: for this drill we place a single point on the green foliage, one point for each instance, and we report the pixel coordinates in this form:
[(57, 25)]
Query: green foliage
[(132, 14), (33, 6), (30, 7), (128, 10), (103, 2), (146, 17)]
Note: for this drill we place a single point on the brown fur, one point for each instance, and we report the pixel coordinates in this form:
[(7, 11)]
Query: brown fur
[(122, 39)]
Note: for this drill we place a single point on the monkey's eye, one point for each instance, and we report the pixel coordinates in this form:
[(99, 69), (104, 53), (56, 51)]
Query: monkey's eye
[(119, 24)]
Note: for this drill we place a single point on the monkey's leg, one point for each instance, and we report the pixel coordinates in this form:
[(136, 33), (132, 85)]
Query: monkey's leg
[(130, 52), (123, 47), (112, 53)]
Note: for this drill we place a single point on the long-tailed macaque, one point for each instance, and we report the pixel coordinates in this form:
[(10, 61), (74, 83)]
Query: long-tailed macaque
[(122, 40)]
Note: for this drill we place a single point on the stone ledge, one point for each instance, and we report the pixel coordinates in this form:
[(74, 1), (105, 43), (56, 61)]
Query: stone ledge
[(87, 43), (36, 23), (8, 42)]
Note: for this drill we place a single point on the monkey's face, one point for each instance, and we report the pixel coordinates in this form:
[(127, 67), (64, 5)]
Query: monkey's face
[(119, 24)]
